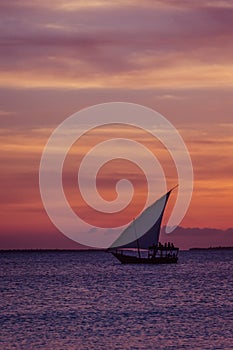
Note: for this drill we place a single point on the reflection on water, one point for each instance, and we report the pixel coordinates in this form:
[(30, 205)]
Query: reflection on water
[(88, 300)]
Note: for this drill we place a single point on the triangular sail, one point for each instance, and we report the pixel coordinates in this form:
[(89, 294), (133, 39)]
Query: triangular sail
[(144, 231)]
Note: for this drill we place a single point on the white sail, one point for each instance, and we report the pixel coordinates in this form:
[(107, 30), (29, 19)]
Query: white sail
[(144, 230)]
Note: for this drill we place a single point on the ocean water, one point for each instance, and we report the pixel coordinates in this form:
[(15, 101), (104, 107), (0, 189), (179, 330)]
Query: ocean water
[(88, 300)]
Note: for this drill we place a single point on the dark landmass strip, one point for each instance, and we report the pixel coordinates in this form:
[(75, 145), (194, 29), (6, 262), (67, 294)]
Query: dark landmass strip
[(212, 248), (91, 250), (50, 250)]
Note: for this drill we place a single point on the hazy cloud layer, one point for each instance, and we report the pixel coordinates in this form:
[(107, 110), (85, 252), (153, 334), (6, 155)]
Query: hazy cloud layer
[(107, 46)]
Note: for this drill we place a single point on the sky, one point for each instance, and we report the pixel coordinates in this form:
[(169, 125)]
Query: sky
[(58, 57)]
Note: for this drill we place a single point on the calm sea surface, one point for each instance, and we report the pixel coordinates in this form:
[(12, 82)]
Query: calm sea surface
[(88, 300)]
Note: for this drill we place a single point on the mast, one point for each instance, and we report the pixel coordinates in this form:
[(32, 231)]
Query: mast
[(138, 247)]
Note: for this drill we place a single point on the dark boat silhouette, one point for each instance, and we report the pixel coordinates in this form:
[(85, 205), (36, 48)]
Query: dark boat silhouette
[(139, 242)]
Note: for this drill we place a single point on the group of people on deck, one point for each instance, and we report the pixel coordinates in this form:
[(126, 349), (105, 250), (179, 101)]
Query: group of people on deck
[(161, 246), (167, 248)]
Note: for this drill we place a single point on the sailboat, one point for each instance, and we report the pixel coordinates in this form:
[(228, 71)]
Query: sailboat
[(139, 242)]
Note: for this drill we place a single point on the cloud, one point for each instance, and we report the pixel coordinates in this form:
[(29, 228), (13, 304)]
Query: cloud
[(87, 47), (5, 113)]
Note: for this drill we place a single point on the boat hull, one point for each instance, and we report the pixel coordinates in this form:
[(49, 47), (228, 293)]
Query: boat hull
[(127, 259)]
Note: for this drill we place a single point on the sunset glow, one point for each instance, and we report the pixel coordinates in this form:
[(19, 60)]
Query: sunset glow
[(62, 56)]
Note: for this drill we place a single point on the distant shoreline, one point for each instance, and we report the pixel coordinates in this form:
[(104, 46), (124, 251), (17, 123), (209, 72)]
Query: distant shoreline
[(51, 250), (93, 250), (212, 248)]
